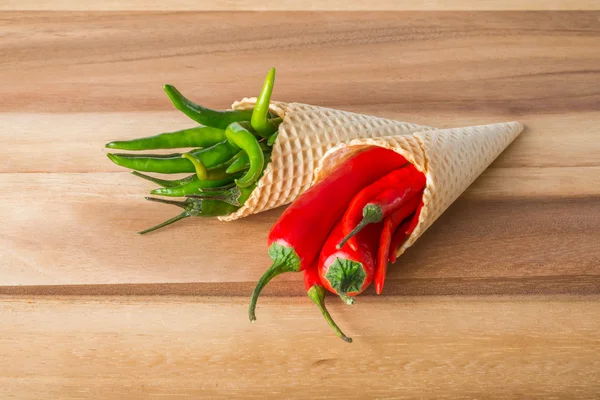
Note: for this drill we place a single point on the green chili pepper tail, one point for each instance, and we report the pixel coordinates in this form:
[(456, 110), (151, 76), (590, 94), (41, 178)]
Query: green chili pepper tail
[(317, 294), (167, 222), (114, 158), (245, 183), (203, 115), (181, 103), (174, 95), (272, 139), (201, 171), (233, 168), (238, 165), (124, 145), (371, 214), (260, 114), (285, 259)]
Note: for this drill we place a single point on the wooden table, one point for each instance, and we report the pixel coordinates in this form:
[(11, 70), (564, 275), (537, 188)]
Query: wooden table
[(500, 298)]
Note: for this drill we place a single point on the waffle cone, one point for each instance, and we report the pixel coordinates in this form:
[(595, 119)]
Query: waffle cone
[(450, 158), (305, 135)]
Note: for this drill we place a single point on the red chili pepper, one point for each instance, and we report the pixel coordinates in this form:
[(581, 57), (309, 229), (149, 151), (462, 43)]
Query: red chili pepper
[(298, 235), (389, 226), (316, 292), (401, 235), (348, 272), (354, 213), (395, 188)]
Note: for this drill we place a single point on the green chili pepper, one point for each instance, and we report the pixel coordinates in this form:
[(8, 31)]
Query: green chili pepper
[(272, 139), (242, 138), (201, 170), (164, 182), (236, 156), (200, 136), (243, 163), (193, 208), (195, 185), (235, 196), (260, 115), (203, 115), (173, 163), (240, 164)]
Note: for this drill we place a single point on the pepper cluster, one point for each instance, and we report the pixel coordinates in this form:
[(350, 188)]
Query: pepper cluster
[(230, 152), (343, 231)]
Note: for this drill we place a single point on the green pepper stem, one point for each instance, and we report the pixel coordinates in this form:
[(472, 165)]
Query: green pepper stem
[(201, 171), (164, 182), (180, 204), (317, 294), (181, 216), (229, 196), (272, 139), (371, 214)]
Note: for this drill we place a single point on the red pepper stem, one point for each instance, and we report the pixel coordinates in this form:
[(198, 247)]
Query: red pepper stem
[(345, 276), (181, 216), (278, 267), (317, 294), (346, 299), (285, 259), (372, 213)]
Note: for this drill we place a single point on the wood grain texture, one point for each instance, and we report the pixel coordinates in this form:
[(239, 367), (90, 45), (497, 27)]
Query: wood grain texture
[(295, 5), (500, 298), (97, 216), (416, 63), (173, 347), (74, 142)]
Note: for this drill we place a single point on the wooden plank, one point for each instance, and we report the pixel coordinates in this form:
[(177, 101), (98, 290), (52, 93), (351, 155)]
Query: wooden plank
[(560, 285), (500, 298), (36, 142), (292, 5), (175, 347), (419, 63), (455, 69), (80, 229)]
